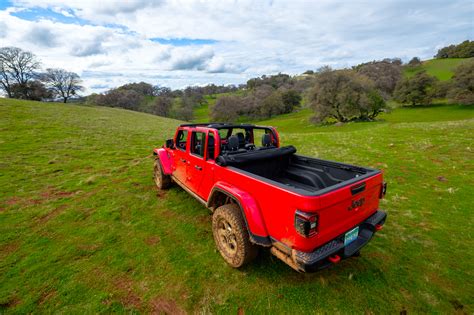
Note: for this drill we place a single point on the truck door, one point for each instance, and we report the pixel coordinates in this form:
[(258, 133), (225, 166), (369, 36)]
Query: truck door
[(212, 147), (195, 168), (180, 155)]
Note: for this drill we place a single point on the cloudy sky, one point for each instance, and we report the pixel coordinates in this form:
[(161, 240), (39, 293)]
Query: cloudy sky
[(179, 43)]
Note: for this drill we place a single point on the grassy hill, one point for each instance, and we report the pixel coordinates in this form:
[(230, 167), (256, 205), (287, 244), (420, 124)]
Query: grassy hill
[(83, 230), (443, 69)]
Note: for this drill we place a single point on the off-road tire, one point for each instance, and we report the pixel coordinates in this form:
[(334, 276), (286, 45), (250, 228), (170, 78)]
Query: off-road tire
[(161, 180), (233, 244)]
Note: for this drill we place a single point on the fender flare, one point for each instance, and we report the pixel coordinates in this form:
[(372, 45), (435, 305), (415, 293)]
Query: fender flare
[(250, 211), (165, 160)]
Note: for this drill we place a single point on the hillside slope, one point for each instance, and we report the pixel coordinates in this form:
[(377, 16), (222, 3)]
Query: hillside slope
[(83, 230), (443, 69)]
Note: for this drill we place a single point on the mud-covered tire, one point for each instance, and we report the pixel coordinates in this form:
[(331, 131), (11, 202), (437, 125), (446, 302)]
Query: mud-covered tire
[(161, 180), (231, 236)]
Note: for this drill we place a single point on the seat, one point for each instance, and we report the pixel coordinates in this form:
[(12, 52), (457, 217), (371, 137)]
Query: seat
[(233, 143), (241, 137), (267, 141), (210, 147)]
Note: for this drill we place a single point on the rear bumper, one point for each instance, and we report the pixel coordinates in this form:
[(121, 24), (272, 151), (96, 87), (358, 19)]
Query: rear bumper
[(333, 251)]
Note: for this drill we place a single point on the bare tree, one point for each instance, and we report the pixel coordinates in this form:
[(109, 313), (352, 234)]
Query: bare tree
[(62, 83), (17, 67)]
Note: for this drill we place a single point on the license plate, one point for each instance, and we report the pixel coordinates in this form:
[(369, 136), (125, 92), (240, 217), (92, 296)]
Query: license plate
[(351, 236)]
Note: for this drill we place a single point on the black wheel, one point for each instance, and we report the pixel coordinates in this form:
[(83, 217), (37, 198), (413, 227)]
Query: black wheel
[(162, 181), (231, 236)]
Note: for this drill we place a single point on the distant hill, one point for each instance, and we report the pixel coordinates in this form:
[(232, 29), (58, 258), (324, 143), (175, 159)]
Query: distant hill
[(443, 69)]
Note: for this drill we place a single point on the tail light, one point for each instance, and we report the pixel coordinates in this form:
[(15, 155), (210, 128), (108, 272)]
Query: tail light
[(383, 190), (306, 223)]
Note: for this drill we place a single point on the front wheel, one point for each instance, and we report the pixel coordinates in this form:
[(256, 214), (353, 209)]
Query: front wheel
[(162, 181), (231, 236)]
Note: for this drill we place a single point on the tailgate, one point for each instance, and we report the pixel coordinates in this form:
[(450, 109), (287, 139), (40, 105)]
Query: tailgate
[(346, 207)]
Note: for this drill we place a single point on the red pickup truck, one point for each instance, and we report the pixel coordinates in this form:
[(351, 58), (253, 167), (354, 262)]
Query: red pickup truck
[(311, 213)]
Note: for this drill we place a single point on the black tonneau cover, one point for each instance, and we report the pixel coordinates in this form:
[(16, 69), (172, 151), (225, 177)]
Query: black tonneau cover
[(254, 155)]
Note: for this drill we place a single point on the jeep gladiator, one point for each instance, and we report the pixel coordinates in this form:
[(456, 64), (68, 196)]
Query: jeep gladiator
[(311, 213)]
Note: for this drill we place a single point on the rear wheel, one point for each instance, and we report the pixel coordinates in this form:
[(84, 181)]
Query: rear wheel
[(162, 181), (231, 236)]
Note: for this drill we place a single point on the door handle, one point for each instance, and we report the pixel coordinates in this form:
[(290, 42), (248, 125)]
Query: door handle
[(183, 160), (198, 167)]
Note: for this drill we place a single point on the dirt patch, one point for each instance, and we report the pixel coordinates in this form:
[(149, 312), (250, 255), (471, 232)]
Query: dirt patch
[(89, 247), (152, 240), (442, 179), (56, 194), (13, 201), (127, 297), (45, 218), (12, 302), (160, 193), (205, 219), (457, 305), (165, 306), (9, 248), (47, 195), (46, 296)]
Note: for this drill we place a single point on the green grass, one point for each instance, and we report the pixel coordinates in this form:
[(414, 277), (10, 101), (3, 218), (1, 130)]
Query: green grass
[(201, 113), (83, 230), (443, 69)]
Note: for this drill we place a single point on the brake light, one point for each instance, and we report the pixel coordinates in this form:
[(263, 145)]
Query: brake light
[(306, 223), (383, 190)]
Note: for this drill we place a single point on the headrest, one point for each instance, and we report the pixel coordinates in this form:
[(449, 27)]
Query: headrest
[(233, 143), (241, 137), (266, 140), (210, 141)]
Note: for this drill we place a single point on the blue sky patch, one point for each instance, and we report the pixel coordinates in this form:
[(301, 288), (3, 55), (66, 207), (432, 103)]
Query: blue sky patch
[(38, 13), (4, 4), (183, 41)]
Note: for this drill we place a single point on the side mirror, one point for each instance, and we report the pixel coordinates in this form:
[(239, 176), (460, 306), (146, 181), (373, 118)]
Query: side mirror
[(169, 144)]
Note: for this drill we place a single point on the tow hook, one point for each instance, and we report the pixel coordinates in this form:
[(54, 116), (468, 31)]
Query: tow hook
[(378, 227), (334, 259)]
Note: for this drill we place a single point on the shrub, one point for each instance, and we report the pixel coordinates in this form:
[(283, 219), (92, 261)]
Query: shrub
[(141, 88), (414, 62), (462, 84), (162, 106), (226, 109), (462, 50), (128, 99), (32, 90), (416, 90), (272, 105), (291, 100), (385, 74)]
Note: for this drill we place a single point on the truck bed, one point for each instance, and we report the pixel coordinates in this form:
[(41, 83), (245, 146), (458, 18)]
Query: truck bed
[(297, 173)]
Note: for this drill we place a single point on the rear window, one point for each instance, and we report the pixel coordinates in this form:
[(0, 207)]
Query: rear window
[(198, 140), (257, 136)]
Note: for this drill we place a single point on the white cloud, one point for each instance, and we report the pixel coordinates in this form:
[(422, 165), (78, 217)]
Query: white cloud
[(192, 60)]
